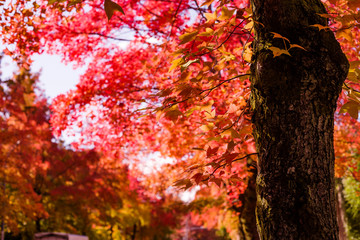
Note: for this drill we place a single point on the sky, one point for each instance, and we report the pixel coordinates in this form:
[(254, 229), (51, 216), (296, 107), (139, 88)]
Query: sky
[(55, 78)]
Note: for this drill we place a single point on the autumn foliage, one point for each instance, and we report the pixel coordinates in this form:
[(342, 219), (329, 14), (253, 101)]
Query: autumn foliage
[(163, 77)]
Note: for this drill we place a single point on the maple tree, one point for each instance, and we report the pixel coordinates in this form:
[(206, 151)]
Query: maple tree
[(187, 95), (23, 130), (48, 187)]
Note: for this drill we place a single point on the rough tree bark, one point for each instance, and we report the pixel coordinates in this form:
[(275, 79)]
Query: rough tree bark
[(293, 100), (247, 226)]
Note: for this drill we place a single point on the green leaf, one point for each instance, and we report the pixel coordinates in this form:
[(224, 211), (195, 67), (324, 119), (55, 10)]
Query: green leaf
[(111, 7)]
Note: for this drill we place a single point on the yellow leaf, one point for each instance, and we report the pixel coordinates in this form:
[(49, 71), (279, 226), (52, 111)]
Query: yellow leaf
[(208, 32), (248, 55), (177, 52), (226, 133), (219, 31), (209, 115), (210, 16), (186, 65), (176, 63), (207, 107), (352, 76), (346, 19), (29, 99), (354, 64), (354, 95), (249, 25), (158, 115), (207, 128), (220, 65), (187, 37), (233, 108), (232, 22), (207, 2), (226, 13), (189, 112), (345, 33)]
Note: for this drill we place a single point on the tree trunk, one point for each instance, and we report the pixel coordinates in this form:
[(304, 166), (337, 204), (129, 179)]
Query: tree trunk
[(293, 99), (340, 209), (247, 219), (133, 235)]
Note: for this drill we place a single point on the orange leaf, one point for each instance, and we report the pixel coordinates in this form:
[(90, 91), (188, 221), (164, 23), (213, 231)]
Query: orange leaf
[(276, 35), (320, 27), (352, 108), (111, 7), (277, 51)]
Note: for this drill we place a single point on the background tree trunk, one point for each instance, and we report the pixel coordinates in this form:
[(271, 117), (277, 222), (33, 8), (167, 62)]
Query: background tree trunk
[(247, 228), (293, 100), (340, 209)]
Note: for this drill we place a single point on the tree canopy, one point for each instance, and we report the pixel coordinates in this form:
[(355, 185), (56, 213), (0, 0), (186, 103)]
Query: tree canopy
[(164, 77)]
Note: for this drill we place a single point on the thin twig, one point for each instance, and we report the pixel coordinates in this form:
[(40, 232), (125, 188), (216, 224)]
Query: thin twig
[(200, 10), (221, 83), (223, 165), (228, 37)]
